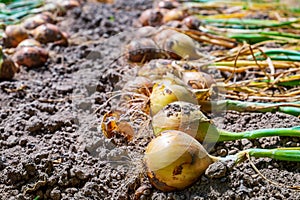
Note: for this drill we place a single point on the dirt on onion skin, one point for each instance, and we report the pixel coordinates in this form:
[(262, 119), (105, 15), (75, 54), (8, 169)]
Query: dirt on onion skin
[(51, 146)]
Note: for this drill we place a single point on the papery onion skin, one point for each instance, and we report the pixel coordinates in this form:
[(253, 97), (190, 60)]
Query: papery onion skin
[(167, 91), (14, 34), (197, 80), (29, 43), (47, 33), (7, 68), (175, 160), (178, 43), (186, 117), (39, 19), (151, 17), (31, 56)]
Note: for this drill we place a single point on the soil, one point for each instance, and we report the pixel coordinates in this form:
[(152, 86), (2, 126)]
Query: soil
[(51, 145)]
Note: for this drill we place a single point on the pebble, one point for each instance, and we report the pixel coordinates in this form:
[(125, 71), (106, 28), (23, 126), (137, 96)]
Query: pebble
[(216, 170), (55, 194)]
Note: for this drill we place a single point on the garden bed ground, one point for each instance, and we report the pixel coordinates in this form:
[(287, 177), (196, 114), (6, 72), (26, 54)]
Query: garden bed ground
[(51, 145)]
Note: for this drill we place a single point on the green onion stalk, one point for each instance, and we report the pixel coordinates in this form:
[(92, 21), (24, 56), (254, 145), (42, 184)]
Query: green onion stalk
[(242, 106), (16, 10), (187, 117), (174, 160), (167, 91), (259, 36), (278, 54), (247, 23)]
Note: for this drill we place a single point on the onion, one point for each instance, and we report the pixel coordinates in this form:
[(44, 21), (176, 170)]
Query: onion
[(166, 91), (29, 43), (185, 117), (192, 22), (142, 50), (177, 43), (139, 85), (198, 80), (168, 4), (174, 14), (7, 67), (31, 56), (175, 160), (47, 33), (155, 69), (151, 17), (14, 34), (37, 20)]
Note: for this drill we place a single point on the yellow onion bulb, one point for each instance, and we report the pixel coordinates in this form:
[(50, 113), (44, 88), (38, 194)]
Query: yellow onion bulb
[(139, 85), (174, 14), (69, 4), (168, 4), (192, 22), (167, 91), (197, 80), (7, 67), (47, 33), (155, 69), (141, 50), (14, 34), (151, 17), (37, 20), (178, 43), (175, 160), (31, 56), (29, 43), (186, 117)]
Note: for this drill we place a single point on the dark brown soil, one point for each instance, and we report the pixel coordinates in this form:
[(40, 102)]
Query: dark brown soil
[(51, 145)]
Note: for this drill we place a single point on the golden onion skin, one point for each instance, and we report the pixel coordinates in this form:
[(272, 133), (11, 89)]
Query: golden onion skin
[(186, 117), (29, 43), (155, 69), (31, 56), (167, 91), (7, 68), (47, 33), (174, 14), (197, 80), (175, 160), (14, 34), (177, 43), (37, 20), (151, 17)]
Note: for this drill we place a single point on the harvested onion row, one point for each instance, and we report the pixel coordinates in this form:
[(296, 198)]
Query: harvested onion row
[(175, 159)]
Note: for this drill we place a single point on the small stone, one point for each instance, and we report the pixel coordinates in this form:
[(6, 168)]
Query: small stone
[(216, 170), (245, 142), (23, 142), (94, 55), (12, 140), (71, 190), (55, 194)]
